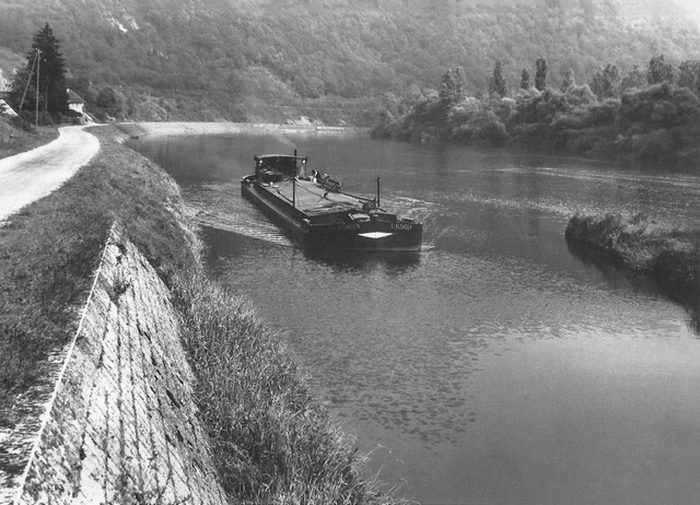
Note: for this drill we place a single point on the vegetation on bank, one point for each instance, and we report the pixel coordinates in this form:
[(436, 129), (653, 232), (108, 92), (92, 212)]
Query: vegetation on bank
[(651, 114), (267, 61), (273, 442), (640, 245)]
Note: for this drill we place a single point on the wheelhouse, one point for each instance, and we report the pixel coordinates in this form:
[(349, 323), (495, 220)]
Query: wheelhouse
[(277, 167)]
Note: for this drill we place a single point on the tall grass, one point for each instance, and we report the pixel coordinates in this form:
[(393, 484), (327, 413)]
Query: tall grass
[(272, 441)]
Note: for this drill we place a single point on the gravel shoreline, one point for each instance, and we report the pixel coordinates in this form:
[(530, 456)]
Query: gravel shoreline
[(138, 129)]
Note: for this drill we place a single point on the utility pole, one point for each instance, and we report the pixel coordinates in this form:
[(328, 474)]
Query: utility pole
[(29, 80), (38, 70)]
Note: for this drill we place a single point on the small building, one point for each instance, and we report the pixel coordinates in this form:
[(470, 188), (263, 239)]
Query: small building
[(75, 102)]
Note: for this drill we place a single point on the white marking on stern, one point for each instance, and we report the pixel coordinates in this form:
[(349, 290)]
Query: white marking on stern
[(375, 234)]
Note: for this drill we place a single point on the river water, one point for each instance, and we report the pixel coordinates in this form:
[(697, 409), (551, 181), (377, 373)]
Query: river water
[(497, 367)]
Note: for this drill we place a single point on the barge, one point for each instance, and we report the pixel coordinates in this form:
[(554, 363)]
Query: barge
[(320, 215)]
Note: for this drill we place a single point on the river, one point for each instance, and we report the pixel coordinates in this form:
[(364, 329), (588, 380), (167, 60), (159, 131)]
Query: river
[(497, 367)]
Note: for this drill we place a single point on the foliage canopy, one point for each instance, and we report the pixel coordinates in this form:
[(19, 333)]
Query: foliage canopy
[(330, 59), (611, 116)]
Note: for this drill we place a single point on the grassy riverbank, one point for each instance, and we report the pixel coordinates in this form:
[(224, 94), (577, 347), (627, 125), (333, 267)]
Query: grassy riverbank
[(640, 245), (273, 441)]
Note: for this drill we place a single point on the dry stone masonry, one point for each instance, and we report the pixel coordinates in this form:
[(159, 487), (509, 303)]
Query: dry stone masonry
[(122, 426)]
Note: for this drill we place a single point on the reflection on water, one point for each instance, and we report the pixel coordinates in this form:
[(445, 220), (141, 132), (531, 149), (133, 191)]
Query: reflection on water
[(615, 273), (496, 366)]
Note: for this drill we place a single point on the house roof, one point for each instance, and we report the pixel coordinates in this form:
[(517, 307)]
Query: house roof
[(73, 97)]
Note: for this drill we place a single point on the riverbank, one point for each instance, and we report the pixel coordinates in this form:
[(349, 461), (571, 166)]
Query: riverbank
[(271, 440), (642, 246)]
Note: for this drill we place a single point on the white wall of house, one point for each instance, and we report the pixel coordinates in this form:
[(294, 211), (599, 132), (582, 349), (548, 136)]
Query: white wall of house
[(77, 107)]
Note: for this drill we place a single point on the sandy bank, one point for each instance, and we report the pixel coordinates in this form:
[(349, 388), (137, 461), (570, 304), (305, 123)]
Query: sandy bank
[(136, 130)]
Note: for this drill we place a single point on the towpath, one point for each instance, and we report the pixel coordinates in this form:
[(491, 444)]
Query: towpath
[(32, 175)]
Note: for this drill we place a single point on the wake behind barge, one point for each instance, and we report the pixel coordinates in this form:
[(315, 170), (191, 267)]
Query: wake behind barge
[(320, 215)]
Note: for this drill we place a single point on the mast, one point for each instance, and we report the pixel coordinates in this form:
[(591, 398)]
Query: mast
[(378, 193)]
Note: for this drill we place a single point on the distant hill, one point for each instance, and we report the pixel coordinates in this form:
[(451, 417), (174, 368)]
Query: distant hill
[(329, 59)]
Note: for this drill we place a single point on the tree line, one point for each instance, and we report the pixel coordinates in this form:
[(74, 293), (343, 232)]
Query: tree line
[(649, 113), (210, 59)]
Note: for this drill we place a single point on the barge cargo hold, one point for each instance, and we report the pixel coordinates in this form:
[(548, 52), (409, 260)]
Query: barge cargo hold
[(320, 215)]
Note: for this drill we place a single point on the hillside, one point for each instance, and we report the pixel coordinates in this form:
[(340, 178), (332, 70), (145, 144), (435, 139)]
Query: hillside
[(329, 59)]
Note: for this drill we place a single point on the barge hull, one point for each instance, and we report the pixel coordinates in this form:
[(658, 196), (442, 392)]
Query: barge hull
[(375, 235)]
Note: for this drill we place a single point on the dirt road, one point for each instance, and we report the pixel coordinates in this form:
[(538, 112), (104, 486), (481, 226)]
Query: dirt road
[(29, 176)]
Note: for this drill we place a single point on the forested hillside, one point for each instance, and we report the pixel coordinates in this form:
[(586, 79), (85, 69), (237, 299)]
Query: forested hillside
[(328, 59)]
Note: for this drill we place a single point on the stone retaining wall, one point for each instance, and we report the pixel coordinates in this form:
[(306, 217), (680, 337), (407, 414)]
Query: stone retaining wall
[(121, 426)]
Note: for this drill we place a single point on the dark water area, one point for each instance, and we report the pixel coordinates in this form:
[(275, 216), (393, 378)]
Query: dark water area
[(496, 367)]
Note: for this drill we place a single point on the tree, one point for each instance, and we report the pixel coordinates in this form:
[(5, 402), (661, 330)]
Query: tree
[(524, 79), (606, 82), (541, 74), (108, 100), (568, 81), (659, 71), (689, 75), (452, 89), (497, 84), (635, 79), (45, 61), (659, 106)]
